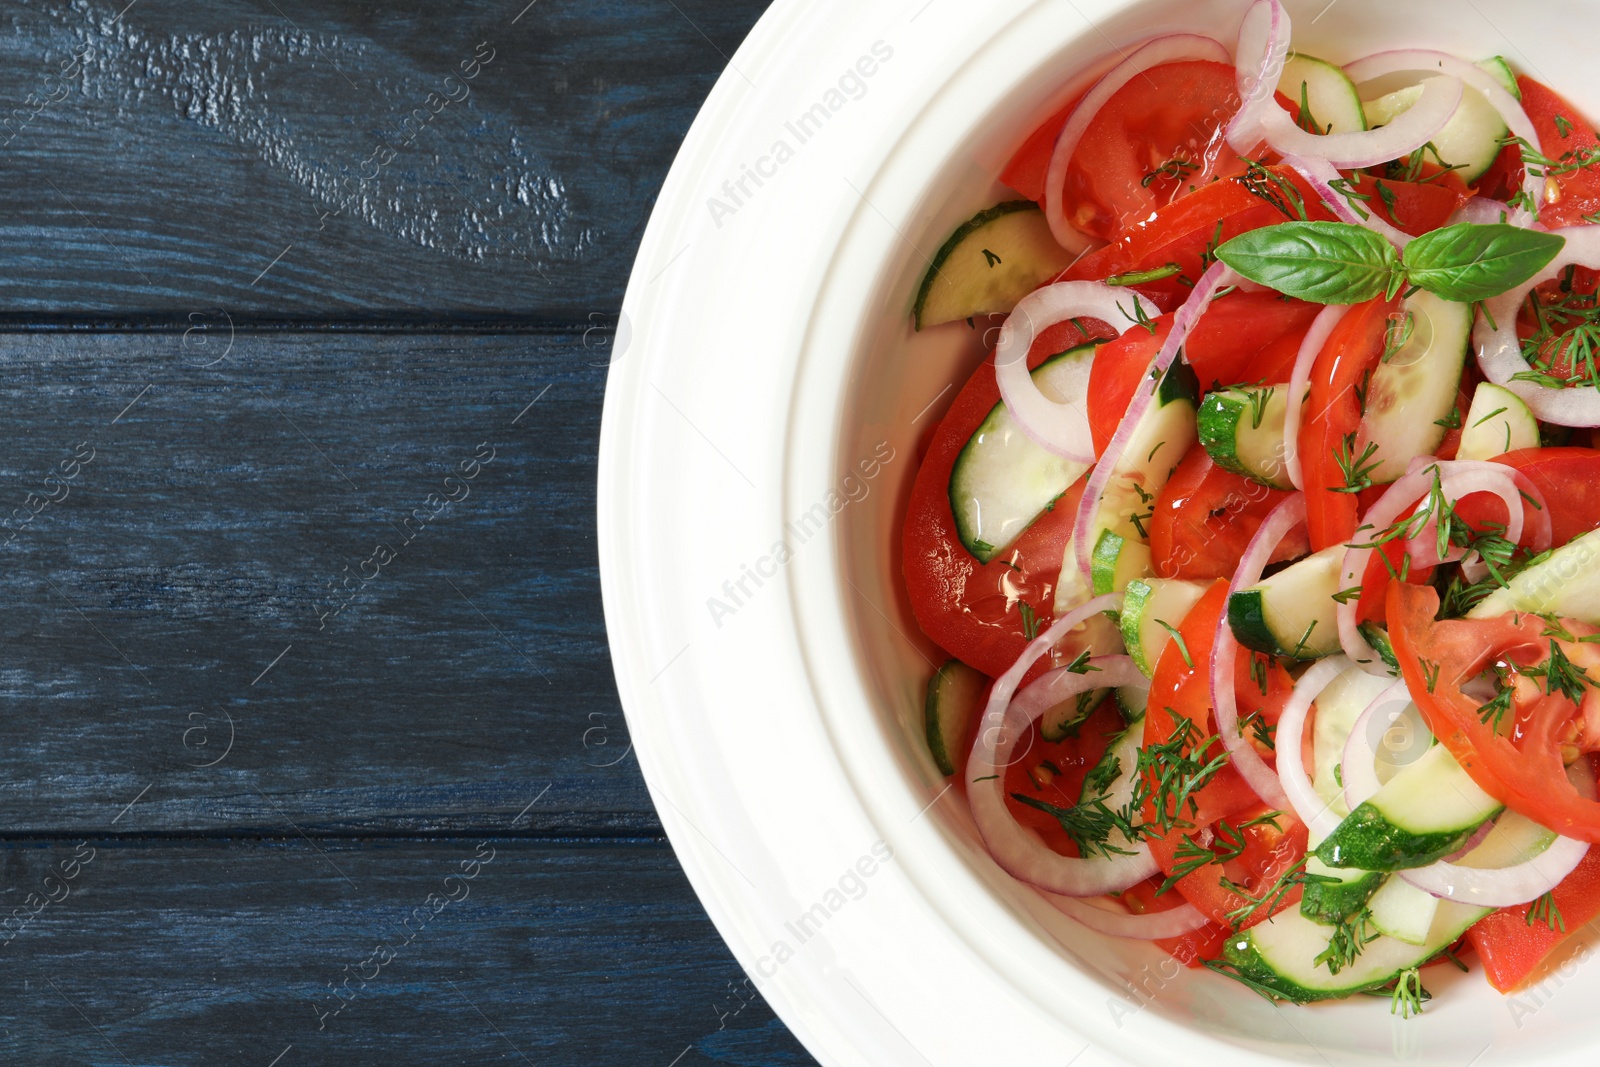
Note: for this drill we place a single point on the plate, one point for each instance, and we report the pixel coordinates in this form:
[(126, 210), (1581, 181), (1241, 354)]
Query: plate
[(760, 436)]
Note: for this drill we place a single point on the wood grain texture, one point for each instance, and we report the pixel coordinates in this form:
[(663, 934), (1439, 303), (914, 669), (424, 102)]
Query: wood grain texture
[(231, 514), (210, 953), (192, 146)]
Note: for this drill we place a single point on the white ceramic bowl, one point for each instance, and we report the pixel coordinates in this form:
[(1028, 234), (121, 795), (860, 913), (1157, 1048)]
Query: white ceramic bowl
[(768, 661)]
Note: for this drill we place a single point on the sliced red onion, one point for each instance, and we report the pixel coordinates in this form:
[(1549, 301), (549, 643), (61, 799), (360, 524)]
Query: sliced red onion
[(1300, 380), (1321, 175), (1263, 46), (1426, 59), (1412, 129), (1062, 428), (1173, 48), (1358, 766), (1480, 210), (1500, 351), (1225, 651), (1016, 849), (1308, 805), (1460, 478), (1174, 922), (1473, 842), (1216, 276)]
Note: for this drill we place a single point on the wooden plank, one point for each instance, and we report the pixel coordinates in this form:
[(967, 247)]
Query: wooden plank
[(286, 158), (200, 954), (196, 573)]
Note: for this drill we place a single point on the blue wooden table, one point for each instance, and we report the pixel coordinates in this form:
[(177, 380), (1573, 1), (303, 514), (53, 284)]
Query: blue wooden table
[(310, 750)]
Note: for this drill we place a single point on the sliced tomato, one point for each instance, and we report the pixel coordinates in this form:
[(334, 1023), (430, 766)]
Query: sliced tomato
[(1568, 479), (1180, 691), (1180, 233), (1205, 516), (1333, 416), (1522, 766), (1412, 207), (1575, 194), (1053, 771), (973, 610), (1157, 137), (1512, 948), (1221, 348), (1191, 949), (1027, 169)]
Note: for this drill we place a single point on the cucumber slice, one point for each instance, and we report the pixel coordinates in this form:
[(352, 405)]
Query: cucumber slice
[(1325, 89), (1242, 428), (1502, 72), (1111, 779), (1281, 953), (1565, 583), (1415, 390), (1132, 701), (1469, 141), (1063, 720), (1150, 603), (1160, 440), (1497, 422), (1424, 813), (990, 262), (1003, 479), (1404, 912), (1330, 902), (1116, 561), (953, 695), (1338, 708), (1292, 612)]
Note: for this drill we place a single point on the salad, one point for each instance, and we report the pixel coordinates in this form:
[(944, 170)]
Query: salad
[(1265, 544)]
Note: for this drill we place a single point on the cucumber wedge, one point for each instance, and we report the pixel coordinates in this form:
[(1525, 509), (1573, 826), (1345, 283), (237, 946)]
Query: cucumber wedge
[(1132, 701), (1292, 612), (1242, 428), (1003, 479), (1565, 583), (1111, 778), (953, 695), (1497, 422), (1281, 953), (1424, 813), (1502, 72), (1338, 708), (1404, 912), (1469, 141), (1116, 561), (1415, 389), (990, 262), (1325, 91), (1160, 440), (1148, 605), (1329, 902), (1063, 720)]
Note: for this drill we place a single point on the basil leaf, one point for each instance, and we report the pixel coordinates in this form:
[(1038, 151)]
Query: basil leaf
[(1324, 262), (1470, 262)]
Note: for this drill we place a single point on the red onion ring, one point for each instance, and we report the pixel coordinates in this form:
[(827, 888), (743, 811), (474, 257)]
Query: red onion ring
[(1172, 48), (1500, 350), (1174, 922), (1216, 276), (1506, 887), (1358, 764), (1321, 175), (1480, 210), (1263, 47), (1224, 654), (1018, 851), (1412, 129), (1061, 428), (1511, 112), (1300, 381), (1308, 805)]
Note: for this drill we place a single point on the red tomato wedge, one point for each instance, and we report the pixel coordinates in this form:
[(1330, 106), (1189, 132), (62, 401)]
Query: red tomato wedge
[(1577, 193), (1181, 690), (1221, 348), (1158, 137), (1205, 516), (1522, 768), (1332, 418), (1054, 772), (970, 609), (1568, 478), (1027, 169), (1512, 948)]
